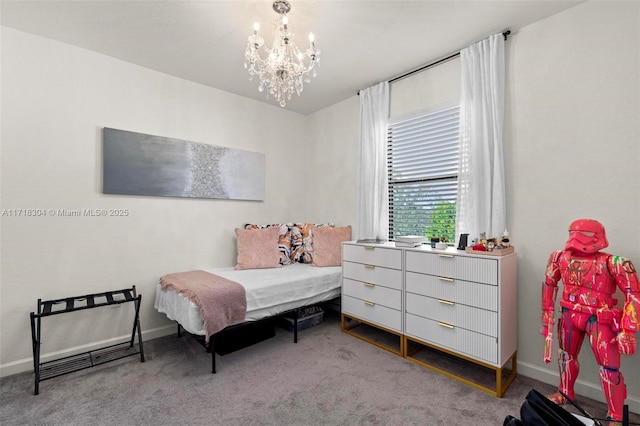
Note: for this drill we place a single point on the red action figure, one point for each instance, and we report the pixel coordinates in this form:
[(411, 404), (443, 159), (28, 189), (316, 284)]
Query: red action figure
[(590, 278)]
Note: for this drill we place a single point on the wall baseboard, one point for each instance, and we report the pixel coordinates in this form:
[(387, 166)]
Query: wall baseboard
[(26, 364), (586, 389)]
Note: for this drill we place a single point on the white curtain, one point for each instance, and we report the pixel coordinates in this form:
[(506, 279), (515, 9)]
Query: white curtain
[(481, 188), (373, 200)]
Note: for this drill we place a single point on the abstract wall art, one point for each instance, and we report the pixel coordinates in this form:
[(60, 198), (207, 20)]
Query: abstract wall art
[(140, 164)]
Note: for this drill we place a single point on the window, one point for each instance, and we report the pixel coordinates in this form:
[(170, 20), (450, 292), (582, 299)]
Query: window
[(422, 159)]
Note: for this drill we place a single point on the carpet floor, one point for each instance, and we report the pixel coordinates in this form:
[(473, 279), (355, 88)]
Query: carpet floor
[(327, 378)]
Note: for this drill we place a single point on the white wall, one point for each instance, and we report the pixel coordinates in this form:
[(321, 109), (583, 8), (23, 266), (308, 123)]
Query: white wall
[(55, 101), (572, 150), (434, 88), (332, 160)]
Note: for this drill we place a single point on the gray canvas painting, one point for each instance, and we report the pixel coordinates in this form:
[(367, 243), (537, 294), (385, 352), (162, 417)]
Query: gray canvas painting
[(139, 164)]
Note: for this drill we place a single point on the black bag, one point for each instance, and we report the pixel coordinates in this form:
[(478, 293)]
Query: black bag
[(513, 421), (625, 413), (538, 410)]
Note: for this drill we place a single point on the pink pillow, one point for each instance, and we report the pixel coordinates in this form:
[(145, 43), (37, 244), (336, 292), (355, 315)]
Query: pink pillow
[(284, 239), (258, 248), (327, 245)]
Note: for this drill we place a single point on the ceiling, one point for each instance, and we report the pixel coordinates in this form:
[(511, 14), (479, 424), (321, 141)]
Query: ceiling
[(362, 42)]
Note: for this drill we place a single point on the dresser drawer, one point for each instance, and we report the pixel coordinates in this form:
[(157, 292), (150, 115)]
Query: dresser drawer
[(453, 266), (379, 295), (373, 255), (456, 314), (483, 296), (457, 339), (372, 274), (377, 314)]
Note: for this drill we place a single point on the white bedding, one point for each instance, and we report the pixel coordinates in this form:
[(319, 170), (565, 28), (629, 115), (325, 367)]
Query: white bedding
[(269, 292)]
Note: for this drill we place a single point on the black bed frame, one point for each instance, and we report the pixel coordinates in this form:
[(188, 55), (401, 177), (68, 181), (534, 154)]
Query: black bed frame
[(210, 347)]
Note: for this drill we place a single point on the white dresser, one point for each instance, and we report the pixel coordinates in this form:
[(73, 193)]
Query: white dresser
[(372, 292), (457, 303), (465, 305)]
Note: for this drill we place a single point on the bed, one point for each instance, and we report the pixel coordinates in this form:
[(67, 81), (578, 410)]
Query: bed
[(269, 292)]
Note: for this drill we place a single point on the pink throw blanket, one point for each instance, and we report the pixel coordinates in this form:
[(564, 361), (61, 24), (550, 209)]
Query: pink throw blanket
[(221, 302)]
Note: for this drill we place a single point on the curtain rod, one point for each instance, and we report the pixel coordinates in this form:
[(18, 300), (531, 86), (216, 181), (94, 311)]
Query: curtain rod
[(505, 34)]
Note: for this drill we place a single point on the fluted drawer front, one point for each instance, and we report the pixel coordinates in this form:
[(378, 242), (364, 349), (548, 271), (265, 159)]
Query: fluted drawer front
[(469, 293), (457, 339), (373, 274), (456, 314), (373, 255), (377, 294), (377, 314), (453, 266)]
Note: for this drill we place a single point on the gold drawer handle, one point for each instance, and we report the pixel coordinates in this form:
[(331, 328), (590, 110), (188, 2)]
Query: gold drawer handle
[(445, 279), (444, 324), (366, 302), (446, 302), (445, 255), (368, 247), (366, 265), (369, 284)]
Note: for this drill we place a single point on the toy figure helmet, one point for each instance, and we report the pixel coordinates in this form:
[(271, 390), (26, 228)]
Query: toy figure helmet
[(586, 236)]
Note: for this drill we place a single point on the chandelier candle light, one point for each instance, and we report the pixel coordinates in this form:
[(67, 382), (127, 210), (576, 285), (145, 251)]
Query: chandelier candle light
[(284, 68)]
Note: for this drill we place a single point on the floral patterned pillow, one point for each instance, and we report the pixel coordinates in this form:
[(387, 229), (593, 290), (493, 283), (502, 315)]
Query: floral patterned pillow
[(302, 241), (284, 239)]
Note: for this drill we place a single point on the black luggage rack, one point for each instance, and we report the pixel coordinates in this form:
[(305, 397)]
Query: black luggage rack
[(58, 367)]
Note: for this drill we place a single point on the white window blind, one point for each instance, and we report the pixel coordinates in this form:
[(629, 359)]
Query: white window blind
[(422, 155)]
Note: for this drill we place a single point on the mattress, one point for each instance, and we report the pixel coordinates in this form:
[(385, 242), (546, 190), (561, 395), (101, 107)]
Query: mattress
[(269, 292)]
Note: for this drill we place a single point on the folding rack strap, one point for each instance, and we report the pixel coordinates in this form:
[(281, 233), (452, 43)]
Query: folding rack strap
[(49, 307)]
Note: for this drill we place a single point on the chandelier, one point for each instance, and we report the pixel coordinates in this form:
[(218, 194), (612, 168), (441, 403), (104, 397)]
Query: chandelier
[(284, 68)]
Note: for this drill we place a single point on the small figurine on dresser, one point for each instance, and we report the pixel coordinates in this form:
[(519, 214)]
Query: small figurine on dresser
[(505, 241), (482, 243), (590, 278)]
